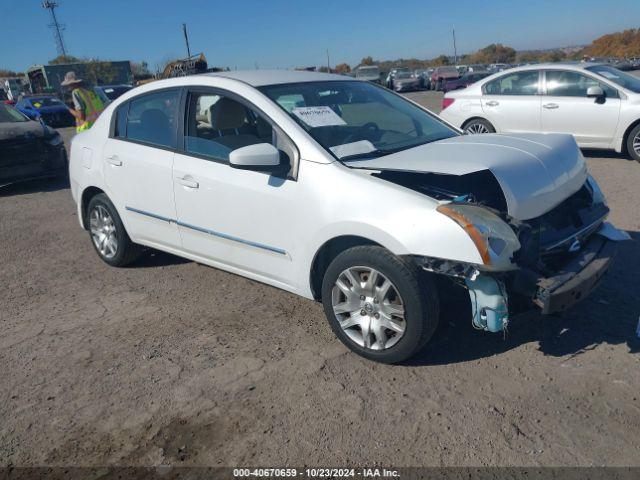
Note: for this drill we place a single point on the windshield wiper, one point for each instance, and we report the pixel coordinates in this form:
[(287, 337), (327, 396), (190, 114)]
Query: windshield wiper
[(372, 154), (382, 152)]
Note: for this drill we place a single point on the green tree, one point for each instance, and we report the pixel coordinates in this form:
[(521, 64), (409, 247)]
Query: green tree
[(9, 73), (60, 59), (440, 60), (140, 70)]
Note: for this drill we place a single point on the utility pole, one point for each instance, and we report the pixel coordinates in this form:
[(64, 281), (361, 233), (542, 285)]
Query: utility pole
[(186, 39), (57, 28), (328, 65), (455, 49)]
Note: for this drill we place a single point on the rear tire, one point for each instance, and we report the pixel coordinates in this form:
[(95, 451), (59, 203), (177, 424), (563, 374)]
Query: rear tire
[(108, 235), (633, 143), (390, 310), (478, 126)]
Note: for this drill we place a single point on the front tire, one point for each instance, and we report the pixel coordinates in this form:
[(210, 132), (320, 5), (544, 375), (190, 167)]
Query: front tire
[(108, 235), (478, 126), (379, 305), (633, 143)]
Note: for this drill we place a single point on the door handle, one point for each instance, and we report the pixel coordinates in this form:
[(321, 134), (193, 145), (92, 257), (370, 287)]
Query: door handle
[(114, 160), (551, 106), (492, 103), (188, 182)]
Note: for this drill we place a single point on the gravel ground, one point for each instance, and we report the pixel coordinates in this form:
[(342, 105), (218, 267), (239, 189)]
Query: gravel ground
[(172, 362)]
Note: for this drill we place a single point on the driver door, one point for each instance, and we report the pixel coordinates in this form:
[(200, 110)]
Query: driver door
[(566, 108)]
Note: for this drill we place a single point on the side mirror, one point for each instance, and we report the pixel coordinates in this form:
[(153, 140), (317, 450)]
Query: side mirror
[(595, 92), (261, 157)]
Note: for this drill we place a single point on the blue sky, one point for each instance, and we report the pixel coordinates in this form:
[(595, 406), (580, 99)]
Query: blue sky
[(282, 34)]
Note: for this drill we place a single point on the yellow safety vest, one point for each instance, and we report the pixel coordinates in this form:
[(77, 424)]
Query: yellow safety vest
[(93, 107)]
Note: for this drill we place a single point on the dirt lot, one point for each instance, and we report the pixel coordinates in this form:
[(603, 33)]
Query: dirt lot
[(172, 362)]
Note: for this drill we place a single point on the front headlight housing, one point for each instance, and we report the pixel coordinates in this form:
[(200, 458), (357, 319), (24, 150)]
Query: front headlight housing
[(495, 240), (596, 193)]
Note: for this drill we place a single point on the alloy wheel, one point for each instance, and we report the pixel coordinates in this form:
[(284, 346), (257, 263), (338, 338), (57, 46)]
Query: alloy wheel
[(103, 232), (476, 128), (636, 144), (368, 308)]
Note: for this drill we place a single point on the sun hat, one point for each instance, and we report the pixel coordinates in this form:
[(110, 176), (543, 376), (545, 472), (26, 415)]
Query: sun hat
[(70, 78)]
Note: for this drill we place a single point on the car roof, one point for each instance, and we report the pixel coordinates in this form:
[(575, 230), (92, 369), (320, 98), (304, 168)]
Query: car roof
[(565, 65), (259, 78)]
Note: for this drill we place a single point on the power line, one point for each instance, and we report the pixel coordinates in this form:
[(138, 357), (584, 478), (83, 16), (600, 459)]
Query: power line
[(57, 28)]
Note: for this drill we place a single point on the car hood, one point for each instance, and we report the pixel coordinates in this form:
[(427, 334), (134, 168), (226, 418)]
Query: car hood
[(9, 130), (535, 171)]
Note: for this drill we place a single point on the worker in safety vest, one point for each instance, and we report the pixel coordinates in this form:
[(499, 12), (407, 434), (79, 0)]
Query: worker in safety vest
[(87, 105)]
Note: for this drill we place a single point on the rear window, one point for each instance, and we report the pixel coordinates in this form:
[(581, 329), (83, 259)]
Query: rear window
[(152, 118), (517, 83)]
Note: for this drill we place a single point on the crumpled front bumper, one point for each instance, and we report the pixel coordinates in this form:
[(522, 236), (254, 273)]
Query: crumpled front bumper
[(581, 275), (578, 278)]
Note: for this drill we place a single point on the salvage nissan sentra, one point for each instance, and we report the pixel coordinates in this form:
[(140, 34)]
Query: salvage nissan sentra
[(343, 192)]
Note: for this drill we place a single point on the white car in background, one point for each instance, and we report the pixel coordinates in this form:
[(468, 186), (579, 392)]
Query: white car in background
[(598, 104), (341, 191)]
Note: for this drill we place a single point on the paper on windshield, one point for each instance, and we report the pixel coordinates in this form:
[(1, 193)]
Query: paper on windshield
[(321, 116), (354, 148)]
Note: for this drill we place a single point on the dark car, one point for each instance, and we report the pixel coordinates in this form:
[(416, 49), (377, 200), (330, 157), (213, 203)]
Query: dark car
[(50, 109), (108, 93), (464, 81), (28, 149), (441, 75)]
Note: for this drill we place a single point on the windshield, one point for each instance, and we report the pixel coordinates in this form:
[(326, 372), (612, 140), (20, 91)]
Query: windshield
[(11, 115), (45, 102), (404, 75), (618, 77), (114, 92), (357, 120)]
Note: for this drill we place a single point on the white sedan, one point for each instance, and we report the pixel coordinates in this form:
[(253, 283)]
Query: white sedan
[(341, 191), (598, 104)]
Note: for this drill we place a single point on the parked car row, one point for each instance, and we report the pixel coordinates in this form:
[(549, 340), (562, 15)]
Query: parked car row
[(596, 103)]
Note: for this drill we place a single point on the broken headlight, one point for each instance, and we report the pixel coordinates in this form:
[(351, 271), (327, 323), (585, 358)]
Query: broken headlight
[(596, 193), (495, 240)]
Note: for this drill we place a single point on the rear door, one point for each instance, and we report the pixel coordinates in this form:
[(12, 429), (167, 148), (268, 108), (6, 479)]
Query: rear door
[(512, 102), (138, 166), (567, 109)]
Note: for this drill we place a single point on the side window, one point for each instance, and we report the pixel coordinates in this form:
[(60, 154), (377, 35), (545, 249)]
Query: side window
[(120, 130), (517, 83), (573, 84), (217, 125), (152, 118)]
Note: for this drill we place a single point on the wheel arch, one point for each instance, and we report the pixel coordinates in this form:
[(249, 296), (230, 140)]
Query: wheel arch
[(475, 117), (627, 132), (87, 194), (325, 255)]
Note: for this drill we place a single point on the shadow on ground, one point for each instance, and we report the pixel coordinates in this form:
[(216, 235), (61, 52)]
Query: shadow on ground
[(155, 258), (609, 315), (606, 154), (48, 184)]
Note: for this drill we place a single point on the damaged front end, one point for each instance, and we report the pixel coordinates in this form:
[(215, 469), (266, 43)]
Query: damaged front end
[(549, 262)]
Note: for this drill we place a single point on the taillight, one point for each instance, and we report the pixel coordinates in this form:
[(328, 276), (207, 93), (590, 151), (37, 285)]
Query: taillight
[(446, 102)]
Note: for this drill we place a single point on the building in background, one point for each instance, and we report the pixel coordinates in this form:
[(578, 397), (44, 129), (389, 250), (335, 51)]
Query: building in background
[(47, 78)]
